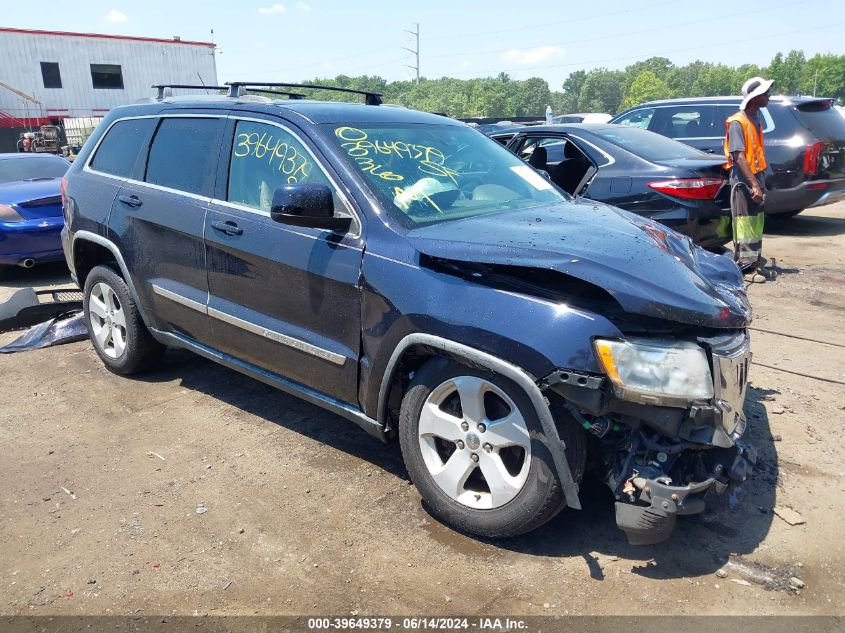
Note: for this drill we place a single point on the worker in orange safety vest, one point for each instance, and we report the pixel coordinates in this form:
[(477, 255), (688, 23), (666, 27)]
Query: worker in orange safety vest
[(746, 161)]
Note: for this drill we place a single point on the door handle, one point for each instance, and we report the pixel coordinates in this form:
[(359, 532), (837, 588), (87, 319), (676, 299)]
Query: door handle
[(228, 227), (132, 201)]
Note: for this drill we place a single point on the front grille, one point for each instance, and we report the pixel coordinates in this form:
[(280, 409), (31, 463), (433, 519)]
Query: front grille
[(731, 362)]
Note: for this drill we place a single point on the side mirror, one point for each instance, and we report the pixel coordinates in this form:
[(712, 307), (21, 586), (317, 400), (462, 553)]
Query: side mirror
[(307, 204)]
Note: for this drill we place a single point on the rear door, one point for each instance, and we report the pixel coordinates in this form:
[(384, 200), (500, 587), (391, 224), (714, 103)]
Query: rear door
[(283, 298), (160, 218)]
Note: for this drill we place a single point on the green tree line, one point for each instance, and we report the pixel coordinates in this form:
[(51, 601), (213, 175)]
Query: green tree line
[(599, 90)]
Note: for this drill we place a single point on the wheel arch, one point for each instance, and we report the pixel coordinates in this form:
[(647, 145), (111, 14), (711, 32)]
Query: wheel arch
[(90, 250), (415, 349)]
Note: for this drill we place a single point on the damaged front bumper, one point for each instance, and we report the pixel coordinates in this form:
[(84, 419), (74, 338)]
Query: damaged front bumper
[(648, 514), (665, 459)]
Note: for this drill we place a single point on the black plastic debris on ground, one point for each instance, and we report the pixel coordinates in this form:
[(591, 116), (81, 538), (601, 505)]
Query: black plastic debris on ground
[(49, 333), (27, 306)]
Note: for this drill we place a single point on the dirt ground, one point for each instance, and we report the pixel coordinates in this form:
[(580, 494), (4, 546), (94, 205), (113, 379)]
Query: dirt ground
[(103, 478)]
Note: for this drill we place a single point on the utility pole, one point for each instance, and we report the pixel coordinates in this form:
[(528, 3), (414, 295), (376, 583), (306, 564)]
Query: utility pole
[(416, 49), (815, 82), (214, 53)]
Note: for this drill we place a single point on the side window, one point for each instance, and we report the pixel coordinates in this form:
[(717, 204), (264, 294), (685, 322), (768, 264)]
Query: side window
[(768, 120), (263, 158), (119, 150), (691, 122), (724, 111), (722, 114), (638, 118), (503, 139), (184, 154), (553, 147)]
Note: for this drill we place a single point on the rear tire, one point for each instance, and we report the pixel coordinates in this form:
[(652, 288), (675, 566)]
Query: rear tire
[(115, 326), (475, 449)]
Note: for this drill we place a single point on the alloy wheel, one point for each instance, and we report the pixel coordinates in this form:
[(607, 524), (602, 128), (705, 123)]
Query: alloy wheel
[(108, 321), (474, 442)]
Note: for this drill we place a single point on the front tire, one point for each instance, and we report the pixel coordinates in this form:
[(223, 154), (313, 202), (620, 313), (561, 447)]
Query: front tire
[(115, 327), (475, 449)]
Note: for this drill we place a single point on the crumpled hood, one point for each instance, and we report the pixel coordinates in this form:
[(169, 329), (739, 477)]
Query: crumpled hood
[(648, 268)]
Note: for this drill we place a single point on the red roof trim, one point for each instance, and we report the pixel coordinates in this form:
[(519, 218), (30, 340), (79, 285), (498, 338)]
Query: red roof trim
[(107, 37)]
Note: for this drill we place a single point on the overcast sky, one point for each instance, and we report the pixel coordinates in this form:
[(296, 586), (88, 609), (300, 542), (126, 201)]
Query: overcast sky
[(291, 40)]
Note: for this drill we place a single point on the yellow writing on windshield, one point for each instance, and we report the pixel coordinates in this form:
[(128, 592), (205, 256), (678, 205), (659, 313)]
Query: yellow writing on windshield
[(403, 198), (291, 162), (429, 160)]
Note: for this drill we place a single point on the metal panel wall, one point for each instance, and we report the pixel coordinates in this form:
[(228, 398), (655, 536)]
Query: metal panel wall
[(143, 64)]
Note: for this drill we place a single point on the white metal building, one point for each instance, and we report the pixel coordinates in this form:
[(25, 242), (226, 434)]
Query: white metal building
[(49, 75)]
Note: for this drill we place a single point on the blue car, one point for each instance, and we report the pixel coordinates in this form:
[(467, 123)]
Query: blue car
[(31, 208), (412, 275)]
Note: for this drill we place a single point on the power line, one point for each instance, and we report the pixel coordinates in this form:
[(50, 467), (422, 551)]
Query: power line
[(416, 50), (544, 25), (464, 36), (766, 36), (614, 36)]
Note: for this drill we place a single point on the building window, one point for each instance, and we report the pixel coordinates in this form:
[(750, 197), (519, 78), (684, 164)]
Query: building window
[(107, 76), (50, 74)]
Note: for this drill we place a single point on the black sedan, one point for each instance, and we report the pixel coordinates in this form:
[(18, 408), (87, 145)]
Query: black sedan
[(632, 169)]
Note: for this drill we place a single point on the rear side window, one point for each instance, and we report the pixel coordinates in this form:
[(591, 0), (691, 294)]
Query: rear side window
[(184, 153), (725, 111), (638, 118), (120, 148), (822, 119), (697, 121)]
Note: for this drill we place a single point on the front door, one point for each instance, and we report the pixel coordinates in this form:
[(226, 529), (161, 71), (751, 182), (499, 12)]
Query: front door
[(283, 298)]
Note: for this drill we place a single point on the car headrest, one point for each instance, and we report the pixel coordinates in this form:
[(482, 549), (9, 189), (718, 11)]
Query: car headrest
[(539, 158)]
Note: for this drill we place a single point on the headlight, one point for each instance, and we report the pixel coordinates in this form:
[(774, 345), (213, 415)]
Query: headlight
[(647, 370)]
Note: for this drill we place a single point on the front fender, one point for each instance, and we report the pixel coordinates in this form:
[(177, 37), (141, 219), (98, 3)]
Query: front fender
[(400, 298)]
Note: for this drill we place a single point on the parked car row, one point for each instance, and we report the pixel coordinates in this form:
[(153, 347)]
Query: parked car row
[(635, 171), (631, 169), (804, 139)]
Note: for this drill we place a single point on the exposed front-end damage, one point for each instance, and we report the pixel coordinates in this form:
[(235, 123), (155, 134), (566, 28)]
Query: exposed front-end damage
[(663, 456), (662, 396)]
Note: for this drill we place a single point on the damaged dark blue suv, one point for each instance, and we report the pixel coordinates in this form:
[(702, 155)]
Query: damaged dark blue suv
[(408, 273)]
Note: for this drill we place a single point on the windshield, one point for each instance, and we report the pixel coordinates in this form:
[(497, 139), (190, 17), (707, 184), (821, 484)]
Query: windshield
[(432, 173), (13, 169), (648, 145)]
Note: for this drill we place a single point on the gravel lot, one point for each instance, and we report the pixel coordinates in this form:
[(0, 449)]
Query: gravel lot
[(104, 477)]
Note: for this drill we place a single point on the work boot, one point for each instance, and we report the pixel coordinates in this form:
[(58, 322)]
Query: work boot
[(770, 274), (752, 276)]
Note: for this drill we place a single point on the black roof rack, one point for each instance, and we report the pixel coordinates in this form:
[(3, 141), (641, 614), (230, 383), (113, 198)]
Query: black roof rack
[(289, 95), (236, 89), (161, 88)]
